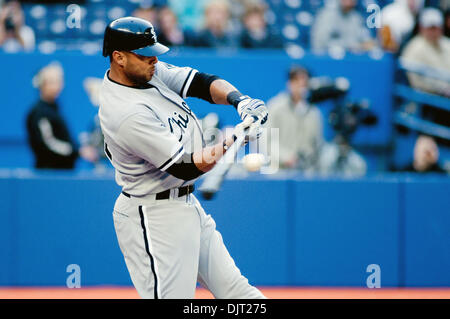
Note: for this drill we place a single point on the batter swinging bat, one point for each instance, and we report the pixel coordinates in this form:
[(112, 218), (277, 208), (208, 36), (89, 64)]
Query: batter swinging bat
[(213, 181)]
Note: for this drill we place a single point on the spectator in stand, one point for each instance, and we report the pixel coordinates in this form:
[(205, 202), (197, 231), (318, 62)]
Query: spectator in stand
[(14, 34), (190, 13), (48, 134), (299, 124), (426, 157), (217, 32), (170, 32), (398, 22), (429, 49), (445, 5), (237, 11), (447, 23), (340, 26), (149, 12), (257, 34)]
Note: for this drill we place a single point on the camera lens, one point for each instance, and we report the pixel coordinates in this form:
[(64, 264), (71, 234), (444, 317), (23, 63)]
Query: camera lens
[(9, 24)]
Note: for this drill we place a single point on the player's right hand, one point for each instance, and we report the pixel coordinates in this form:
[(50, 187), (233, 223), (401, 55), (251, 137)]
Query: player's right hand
[(254, 108), (257, 110)]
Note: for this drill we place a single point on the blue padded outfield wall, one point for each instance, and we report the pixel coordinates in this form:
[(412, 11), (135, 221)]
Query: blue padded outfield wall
[(259, 74), (293, 231), (279, 231)]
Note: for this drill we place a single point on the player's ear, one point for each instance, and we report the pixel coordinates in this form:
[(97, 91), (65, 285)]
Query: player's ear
[(119, 58)]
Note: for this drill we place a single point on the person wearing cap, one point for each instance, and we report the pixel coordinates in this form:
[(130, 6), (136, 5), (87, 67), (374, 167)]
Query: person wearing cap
[(156, 144), (429, 49)]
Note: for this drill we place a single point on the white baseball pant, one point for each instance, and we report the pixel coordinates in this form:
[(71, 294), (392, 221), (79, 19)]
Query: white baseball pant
[(169, 245)]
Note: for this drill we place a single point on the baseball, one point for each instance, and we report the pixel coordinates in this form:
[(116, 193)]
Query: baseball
[(253, 162)]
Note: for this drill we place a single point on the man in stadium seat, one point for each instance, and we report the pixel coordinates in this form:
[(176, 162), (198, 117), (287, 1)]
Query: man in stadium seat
[(299, 123), (340, 26), (429, 49), (425, 157)]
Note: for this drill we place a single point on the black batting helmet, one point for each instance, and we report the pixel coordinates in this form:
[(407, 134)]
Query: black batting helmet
[(134, 35)]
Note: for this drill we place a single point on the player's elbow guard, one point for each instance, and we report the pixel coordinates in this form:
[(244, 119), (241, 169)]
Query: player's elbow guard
[(185, 168), (200, 86)]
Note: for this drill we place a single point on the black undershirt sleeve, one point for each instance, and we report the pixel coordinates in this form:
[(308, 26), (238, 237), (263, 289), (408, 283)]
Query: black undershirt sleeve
[(200, 86), (185, 168)]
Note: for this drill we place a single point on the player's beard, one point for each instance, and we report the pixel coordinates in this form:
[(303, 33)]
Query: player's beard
[(138, 79)]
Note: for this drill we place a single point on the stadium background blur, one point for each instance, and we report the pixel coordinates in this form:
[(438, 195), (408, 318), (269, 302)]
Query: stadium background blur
[(291, 229)]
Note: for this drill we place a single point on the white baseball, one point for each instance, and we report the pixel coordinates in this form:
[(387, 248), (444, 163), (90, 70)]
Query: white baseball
[(253, 161)]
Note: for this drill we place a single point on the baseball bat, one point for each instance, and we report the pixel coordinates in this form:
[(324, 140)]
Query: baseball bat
[(213, 181)]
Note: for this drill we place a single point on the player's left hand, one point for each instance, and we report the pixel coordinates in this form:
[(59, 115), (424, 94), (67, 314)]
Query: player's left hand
[(251, 129)]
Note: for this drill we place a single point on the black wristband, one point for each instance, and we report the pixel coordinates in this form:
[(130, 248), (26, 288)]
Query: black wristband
[(235, 97)]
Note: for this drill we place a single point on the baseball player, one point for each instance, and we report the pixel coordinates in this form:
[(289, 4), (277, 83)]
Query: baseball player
[(155, 143)]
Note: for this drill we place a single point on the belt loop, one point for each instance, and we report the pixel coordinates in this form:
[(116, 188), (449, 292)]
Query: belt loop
[(173, 193)]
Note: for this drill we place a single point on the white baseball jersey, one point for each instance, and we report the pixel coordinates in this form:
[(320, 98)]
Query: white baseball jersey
[(170, 245), (147, 130)]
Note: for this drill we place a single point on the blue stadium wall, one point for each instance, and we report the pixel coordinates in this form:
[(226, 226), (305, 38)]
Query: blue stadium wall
[(291, 232), (294, 232), (260, 74)]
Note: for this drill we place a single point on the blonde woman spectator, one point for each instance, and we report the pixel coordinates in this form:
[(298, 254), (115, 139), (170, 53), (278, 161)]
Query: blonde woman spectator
[(48, 133)]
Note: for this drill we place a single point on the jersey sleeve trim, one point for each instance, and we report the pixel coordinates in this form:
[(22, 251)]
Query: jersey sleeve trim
[(172, 160), (187, 83)]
